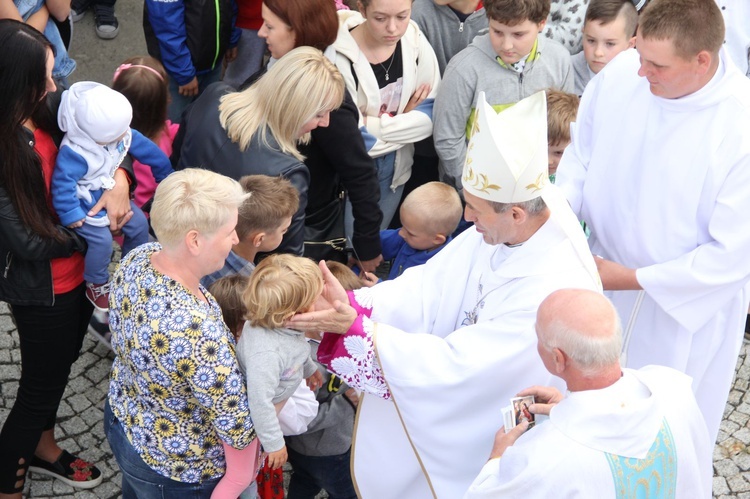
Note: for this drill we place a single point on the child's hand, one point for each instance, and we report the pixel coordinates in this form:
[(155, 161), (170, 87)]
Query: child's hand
[(277, 459), (315, 381), (77, 224), (353, 396)]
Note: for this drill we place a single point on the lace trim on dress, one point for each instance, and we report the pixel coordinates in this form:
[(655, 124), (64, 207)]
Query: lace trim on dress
[(364, 297), (360, 368)]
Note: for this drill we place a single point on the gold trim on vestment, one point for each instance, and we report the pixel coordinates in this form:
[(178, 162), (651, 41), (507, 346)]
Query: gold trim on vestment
[(354, 443), (406, 431)]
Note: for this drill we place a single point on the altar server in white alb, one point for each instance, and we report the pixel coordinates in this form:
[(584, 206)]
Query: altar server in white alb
[(441, 349), (659, 168), (617, 433)]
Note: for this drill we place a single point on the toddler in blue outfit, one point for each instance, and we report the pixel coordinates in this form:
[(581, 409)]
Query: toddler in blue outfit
[(96, 122), (429, 215)]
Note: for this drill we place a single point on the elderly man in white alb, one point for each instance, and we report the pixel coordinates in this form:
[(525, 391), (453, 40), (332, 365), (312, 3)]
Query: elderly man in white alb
[(617, 433), (659, 168), (441, 349)]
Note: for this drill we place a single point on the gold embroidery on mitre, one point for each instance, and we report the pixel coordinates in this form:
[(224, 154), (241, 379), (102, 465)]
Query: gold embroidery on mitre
[(539, 183), (479, 182), (475, 125), (469, 175)]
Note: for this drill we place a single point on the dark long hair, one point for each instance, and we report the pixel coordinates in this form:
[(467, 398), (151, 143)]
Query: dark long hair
[(23, 80), (146, 92)]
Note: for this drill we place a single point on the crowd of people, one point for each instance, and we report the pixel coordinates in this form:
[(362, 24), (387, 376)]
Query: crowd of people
[(265, 159)]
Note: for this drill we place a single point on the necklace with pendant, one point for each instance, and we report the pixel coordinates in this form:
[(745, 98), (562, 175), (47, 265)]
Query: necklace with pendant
[(393, 56)]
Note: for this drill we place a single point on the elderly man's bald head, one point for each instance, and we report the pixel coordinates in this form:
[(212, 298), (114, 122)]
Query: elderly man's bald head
[(584, 325)]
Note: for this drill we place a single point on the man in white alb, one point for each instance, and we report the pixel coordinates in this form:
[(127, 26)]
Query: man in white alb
[(444, 345), (659, 168), (617, 432)]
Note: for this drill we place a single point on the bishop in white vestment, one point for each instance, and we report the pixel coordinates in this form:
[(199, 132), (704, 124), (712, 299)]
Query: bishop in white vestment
[(664, 185), (447, 344)]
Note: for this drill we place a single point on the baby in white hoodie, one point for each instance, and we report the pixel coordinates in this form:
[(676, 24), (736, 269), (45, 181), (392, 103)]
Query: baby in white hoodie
[(96, 122)]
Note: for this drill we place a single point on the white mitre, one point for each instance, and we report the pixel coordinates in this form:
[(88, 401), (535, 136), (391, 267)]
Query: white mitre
[(506, 160)]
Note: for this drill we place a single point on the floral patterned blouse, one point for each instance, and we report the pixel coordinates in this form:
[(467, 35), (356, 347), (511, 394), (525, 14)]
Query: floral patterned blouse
[(175, 385)]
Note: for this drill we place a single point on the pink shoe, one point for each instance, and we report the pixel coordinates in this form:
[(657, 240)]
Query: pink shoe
[(98, 294)]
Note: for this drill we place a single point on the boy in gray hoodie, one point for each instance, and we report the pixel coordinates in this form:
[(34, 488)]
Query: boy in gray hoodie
[(509, 63)]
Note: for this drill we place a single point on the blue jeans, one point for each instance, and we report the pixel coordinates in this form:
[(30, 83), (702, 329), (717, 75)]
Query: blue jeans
[(389, 199), (179, 102), (139, 481), (250, 51), (64, 65), (312, 473), (99, 240)]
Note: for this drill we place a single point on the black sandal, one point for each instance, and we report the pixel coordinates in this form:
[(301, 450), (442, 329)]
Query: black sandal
[(69, 469)]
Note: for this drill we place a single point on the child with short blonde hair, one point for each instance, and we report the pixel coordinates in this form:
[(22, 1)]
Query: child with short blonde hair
[(562, 109), (268, 211), (429, 215), (320, 456), (273, 357), (281, 286)]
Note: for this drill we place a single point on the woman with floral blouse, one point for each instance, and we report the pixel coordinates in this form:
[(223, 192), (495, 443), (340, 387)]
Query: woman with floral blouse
[(176, 391)]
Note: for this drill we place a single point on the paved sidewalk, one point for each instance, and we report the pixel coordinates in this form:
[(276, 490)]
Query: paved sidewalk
[(80, 430), (732, 454)]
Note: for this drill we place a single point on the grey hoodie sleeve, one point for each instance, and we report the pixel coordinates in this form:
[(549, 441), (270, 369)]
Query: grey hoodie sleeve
[(453, 107), (309, 368), (569, 79)]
